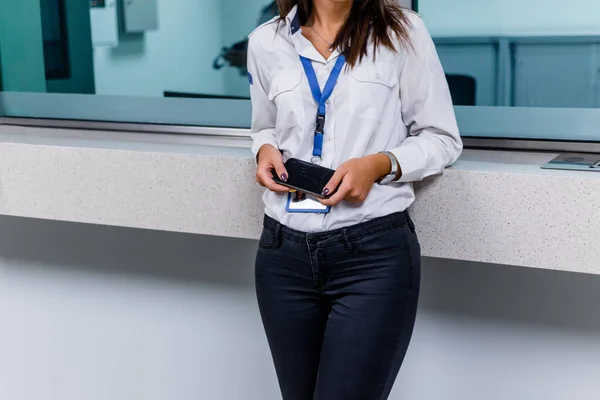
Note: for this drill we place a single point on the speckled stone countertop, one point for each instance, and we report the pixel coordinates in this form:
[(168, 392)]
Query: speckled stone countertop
[(493, 207)]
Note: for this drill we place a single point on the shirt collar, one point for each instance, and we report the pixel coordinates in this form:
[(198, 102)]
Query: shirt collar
[(302, 45), (293, 20)]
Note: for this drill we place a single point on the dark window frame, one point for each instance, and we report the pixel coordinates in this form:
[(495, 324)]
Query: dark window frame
[(65, 72)]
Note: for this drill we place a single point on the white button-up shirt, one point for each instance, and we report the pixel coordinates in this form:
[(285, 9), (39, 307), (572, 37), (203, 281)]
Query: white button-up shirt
[(397, 102)]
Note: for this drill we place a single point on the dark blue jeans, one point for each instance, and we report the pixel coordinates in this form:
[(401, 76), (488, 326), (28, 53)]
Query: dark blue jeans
[(339, 307)]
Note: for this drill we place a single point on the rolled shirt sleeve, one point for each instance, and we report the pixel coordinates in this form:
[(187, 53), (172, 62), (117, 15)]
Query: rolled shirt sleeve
[(433, 141)]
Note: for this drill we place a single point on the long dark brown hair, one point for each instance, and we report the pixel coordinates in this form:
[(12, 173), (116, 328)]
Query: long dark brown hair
[(375, 20)]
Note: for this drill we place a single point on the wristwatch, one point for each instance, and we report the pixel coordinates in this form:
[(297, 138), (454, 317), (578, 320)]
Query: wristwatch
[(389, 178)]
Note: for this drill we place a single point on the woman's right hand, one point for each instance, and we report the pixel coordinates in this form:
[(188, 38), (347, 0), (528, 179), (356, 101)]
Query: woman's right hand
[(269, 159)]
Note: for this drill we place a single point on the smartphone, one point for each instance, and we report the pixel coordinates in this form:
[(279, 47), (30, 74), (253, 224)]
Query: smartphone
[(306, 177)]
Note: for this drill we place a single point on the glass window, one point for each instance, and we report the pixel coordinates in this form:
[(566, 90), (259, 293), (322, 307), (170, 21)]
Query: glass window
[(197, 50), (516, 69), (532, 53)]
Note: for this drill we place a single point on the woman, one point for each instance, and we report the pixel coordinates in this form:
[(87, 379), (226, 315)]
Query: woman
[(338, 291)]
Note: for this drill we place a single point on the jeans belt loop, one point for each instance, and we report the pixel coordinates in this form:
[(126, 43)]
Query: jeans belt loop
[(347, 242), (278, 235)]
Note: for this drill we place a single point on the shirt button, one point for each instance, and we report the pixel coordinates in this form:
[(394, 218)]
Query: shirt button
[(328, 102), (328, 138), (378, 75)]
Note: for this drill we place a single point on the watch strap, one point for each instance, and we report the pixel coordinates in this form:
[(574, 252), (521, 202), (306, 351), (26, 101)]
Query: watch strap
[(393, 170)]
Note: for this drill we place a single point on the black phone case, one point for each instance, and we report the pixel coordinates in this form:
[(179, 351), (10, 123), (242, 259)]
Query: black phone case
[(306, 177)]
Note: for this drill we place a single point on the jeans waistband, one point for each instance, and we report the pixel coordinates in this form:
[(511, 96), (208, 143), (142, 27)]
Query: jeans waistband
[(351, 232)]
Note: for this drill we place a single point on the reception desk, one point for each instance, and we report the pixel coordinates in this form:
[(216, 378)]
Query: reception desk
[(126, 272), (491, 207)]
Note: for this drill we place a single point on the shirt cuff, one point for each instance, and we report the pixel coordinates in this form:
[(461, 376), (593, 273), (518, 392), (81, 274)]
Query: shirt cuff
[(412, 162), (261, 138)]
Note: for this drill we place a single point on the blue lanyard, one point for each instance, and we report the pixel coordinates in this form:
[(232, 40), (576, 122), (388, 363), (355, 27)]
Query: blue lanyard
[(321, 98)]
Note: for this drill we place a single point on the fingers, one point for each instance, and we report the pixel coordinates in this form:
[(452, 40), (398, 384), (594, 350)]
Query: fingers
[(265, 178), (279, 168), (270, 161), (334, 182), (340, 195)]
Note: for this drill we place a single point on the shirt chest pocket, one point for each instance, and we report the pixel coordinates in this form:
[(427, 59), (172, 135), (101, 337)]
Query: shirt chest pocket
[(285, 94), (370, 88)]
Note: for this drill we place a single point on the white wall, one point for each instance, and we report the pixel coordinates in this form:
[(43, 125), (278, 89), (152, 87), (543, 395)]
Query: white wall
[(96, 313), (177, 57), (191, 33), (511, 17)]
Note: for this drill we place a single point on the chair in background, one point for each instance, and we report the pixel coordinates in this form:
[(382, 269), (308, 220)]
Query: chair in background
[(462, 89)]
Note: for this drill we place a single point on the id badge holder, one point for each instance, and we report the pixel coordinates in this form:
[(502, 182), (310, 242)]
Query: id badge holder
[(298, 202)]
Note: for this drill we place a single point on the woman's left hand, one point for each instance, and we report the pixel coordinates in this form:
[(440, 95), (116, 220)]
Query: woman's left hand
[(355, 178)]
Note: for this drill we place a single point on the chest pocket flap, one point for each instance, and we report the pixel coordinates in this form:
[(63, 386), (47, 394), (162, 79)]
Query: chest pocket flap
[(284, 81), (382, 74)]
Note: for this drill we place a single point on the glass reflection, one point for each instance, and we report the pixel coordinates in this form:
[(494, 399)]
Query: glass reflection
[(495, 53)]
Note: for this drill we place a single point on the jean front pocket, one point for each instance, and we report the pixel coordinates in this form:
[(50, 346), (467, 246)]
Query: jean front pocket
[(268, 239), (388, 241)]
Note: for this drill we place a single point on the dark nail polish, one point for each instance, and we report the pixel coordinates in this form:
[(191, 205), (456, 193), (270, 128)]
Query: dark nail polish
[(284, 177), (325, 192)]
